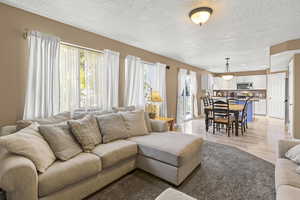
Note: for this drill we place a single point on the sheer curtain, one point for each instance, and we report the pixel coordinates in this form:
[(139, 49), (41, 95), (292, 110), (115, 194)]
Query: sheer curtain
[(69, 78), (160, 86), (42, 96), (134, 82), (182, 76), (109, 78), (92, 94), (194, 91)]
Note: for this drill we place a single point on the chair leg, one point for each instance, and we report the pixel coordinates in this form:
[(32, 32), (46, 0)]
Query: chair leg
[(214, 127), (242, 128)]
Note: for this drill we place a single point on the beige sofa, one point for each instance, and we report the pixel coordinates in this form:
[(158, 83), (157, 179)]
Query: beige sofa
[(287, 181), (168, 155)]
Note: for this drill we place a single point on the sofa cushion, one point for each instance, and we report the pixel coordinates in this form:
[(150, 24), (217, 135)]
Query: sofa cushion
[(64, 173), (170, 147), (114, 152), (61, 140), (61, 117), (86, 131), (285, 173), (29, 143), (135, 123), (112, 127), (287, 192)]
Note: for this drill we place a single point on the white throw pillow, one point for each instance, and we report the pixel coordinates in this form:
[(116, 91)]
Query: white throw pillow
[(294, 154)]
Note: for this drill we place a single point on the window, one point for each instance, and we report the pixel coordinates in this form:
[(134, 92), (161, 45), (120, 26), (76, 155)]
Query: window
[(149, 79), (79, 78)]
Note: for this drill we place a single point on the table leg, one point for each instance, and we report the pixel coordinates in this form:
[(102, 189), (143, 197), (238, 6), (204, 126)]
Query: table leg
[(236, 116), (206, 120)]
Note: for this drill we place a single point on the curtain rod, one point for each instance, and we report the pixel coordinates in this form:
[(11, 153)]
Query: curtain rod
[(25, 35), (80, 47)]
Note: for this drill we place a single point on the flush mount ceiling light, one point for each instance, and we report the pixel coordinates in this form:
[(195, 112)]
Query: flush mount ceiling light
[(227, 77), (200, 15)]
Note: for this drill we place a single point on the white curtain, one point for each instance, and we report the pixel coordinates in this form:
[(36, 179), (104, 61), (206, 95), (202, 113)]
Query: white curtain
[(134, 82), (160, 86), (109, 78), (69, 78), (182, 76), (194, 92), (42, 96), (92, 95)]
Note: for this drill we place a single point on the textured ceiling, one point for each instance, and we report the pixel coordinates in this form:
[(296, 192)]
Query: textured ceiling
[(240, 29)]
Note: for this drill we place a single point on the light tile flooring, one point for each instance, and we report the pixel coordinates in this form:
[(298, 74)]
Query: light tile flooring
[(260, 138)]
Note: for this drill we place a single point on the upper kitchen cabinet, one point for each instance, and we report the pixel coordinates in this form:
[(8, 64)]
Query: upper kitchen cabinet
[(221, 84), (207, 82), (258, 81)]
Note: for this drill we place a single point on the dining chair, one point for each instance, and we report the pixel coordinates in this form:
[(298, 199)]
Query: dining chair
[(242, 123), (221, 116), (206, 103)]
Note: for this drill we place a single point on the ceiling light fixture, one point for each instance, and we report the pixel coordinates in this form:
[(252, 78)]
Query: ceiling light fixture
[(227, 77), (200, 15)]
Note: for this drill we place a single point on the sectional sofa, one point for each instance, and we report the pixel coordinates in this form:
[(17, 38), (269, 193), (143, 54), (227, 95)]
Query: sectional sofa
[(171, 156), (287, 181)]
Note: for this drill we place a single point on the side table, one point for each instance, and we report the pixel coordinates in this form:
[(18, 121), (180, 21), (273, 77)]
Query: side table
[(170, 121)]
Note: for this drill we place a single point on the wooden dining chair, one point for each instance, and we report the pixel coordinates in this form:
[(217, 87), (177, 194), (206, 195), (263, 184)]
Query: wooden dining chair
[(243, 118), (221, 116), (206, 103)]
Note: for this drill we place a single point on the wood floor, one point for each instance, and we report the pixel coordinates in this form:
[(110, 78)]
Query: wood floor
[(260, 139)]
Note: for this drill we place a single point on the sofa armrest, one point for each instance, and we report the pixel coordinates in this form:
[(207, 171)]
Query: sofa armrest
[(7, 130), (284, 145), (18, 177), (159, 125)]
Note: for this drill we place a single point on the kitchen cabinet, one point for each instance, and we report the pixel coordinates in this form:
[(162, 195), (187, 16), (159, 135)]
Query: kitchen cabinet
[(207, 82), (221, 84), (259, 81), (260, 107)]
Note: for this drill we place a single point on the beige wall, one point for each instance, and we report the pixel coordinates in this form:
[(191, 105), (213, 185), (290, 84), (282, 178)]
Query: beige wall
[(296, 96), (285, 46), (13, 67)]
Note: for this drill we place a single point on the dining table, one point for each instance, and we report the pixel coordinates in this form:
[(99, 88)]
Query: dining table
[(235, 109)]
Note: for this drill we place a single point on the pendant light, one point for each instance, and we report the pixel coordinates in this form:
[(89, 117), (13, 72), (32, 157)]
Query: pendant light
[(227, 76)]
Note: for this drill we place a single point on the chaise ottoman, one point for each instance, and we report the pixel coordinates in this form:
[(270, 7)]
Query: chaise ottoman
[(171, 156)]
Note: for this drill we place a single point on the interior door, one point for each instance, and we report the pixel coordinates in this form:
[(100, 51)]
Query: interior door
[(276, 93), (291, 98)]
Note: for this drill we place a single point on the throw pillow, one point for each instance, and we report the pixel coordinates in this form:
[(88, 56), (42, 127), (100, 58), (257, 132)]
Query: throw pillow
[(86, 132), (61, 117), (61, 140), (29, 143), (123, 109), (112, 127), (294, 154), (135, 123)]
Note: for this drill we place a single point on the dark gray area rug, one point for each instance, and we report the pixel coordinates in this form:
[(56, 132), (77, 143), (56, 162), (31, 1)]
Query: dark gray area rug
[(226, 173)]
